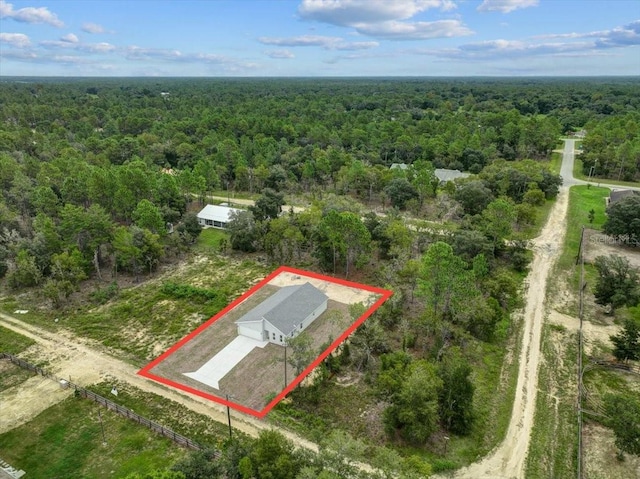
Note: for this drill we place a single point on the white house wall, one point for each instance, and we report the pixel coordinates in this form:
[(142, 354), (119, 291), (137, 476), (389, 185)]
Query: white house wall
[(278, 337)]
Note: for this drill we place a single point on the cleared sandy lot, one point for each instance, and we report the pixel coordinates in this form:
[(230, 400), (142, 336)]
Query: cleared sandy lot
[(260, 375)]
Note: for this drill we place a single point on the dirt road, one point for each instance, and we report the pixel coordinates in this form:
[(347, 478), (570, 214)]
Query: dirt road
[(508, 460), (86, 363)]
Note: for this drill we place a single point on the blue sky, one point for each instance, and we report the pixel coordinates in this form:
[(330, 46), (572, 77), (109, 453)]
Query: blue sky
[(319, 37)]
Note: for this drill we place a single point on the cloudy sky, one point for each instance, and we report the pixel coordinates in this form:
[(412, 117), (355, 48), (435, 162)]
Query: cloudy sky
[(319, 37)]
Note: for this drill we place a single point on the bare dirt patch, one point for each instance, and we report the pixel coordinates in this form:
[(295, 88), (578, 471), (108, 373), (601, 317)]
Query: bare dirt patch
[(599, 244), (22, 402), (600, 455), (595, 335)]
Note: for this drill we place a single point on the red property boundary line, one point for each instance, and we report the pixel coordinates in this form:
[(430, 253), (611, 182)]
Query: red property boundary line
[(146, 371)]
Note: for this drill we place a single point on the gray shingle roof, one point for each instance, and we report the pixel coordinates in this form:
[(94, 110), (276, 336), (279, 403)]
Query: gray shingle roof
[(288, 307), (617, 195)]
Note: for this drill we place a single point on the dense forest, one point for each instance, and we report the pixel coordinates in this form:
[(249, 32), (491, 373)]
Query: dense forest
[(98, 176)]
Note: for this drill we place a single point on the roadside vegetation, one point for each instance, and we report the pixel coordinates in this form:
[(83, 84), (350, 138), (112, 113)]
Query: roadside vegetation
[(553, 451), (99, 237)]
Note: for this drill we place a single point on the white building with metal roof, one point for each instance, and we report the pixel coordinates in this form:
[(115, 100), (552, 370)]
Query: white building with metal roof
[(284, 314), (215, 216)]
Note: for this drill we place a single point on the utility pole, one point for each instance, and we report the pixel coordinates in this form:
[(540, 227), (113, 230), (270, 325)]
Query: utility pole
[(285, 366), (229, 418)]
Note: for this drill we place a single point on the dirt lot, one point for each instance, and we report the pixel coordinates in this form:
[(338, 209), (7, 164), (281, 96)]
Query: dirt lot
[(600, 455), (598, 244), (261, 372)]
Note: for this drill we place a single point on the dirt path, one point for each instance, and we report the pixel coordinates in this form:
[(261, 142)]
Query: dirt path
[(508, 460), (84, 363)]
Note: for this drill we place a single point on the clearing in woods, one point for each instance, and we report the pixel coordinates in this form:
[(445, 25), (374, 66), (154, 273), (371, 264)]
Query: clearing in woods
[(255, 381)]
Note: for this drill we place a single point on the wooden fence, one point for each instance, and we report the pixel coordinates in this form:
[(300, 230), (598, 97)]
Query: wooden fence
[(123, 411)]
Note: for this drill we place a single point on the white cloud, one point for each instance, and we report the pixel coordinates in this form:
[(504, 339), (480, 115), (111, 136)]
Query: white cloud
[(30, 15), (415, 30), (625, 35), (348, 12), (506, 6), (69, 38), (328, 43), (280, 54), (384, 18), (69, 44), (93, 28), (135, 53), (19, 40), (576, 44), (70, 59)]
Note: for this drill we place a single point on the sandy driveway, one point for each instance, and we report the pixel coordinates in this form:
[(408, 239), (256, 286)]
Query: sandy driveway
[(86, 363)]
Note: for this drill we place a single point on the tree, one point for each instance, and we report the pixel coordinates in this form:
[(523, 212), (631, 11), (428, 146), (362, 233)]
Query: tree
[(623, 411), (244, 232), (284, 240), (623, 219), (190, 228), (66, 274), (135, 247), (414, 409), (147, 215), (367, 341), (627, 342), (499, 216), (400, 191), (441, 273), (199, 465), (342, 237), (26, 272), (424, 180), (268, 206), (87, 229), (618, 283), (300, 351), (474, 197), (273, 457), (456, 396)]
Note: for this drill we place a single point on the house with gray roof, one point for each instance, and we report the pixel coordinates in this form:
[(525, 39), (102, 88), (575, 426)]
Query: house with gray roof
[(618, 195), (284, 314), (445, 175)]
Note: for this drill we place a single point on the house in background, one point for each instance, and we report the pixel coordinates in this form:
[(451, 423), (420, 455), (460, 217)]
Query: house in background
[(617, 195), (399, 166), (284, 314), (444, 175), (215, 216)]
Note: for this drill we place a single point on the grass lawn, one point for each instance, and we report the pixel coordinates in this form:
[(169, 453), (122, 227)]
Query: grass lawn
[(13, 343), (66, 441), (168, 413), (210, 239), (582, 199)]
